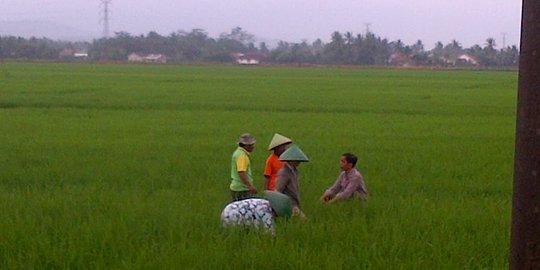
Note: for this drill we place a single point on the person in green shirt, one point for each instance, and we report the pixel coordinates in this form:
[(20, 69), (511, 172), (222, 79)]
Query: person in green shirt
[(242, 182)]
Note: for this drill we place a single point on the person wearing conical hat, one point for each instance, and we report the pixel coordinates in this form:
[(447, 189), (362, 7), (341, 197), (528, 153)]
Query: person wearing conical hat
[(242, 182), (278, 145), (349, 184), (288, 176)]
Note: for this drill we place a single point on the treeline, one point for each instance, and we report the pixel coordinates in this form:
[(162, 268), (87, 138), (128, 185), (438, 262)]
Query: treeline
[(196, 46), (32, 48)]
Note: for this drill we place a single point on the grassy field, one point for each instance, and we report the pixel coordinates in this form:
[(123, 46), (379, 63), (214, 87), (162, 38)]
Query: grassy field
[(127, 166)]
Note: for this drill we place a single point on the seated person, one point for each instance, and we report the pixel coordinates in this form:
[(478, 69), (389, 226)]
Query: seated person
[(349, 184)]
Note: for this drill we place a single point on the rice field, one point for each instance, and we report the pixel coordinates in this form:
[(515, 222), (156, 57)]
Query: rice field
[(127, 166)]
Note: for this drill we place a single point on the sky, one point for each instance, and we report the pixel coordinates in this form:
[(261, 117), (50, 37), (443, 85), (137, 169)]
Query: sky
[(468, 21)]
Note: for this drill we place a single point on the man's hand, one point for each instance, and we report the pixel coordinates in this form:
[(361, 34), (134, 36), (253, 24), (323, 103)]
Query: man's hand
[(331, 201), (245, 180), (253, 190), (325, 197)]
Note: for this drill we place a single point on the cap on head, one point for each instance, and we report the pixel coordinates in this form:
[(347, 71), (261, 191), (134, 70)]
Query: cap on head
[(294, 153), (278, 140), (280, 202), (246, 139)]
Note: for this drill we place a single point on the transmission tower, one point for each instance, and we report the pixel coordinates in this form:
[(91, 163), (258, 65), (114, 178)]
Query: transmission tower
[(104, 17)]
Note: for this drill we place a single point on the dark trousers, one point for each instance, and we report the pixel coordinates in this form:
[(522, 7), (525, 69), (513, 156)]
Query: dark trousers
[(240, 195)]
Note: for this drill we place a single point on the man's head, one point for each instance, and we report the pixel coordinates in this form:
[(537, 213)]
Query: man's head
[(294, 163), (278, 150), (294, 156), (247, 141), (279, 144), (347, 161)]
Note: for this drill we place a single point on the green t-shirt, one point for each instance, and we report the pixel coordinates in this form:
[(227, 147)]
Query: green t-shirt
[(240, 161)]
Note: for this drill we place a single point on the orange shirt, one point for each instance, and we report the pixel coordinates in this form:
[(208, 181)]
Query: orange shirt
[(273, 164)]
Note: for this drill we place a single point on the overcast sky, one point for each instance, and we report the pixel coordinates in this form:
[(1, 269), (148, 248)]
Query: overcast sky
[(468, 21)]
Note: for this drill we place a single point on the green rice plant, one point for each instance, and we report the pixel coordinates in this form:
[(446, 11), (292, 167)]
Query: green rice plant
[(127, 166)]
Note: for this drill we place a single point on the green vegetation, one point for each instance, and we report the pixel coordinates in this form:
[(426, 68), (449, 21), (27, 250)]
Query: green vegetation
[(196, 46), (127, 166)]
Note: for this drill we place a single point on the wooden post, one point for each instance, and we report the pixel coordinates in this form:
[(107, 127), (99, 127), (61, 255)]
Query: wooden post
[(525, 237)]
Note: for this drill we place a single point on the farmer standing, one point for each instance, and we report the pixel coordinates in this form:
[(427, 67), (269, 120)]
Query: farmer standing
[(278, 145), (242, 182), (288, 176)]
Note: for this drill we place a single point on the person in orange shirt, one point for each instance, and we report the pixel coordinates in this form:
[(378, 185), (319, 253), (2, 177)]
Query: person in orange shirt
[(278, 145)]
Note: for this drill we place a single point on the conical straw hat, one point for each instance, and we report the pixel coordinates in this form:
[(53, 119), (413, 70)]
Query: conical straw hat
[(280, 202), (294, 153), (278, 140)]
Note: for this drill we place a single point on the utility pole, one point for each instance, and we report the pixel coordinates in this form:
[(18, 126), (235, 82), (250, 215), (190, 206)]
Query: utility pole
[(525, 236), (503, 40), (367, 27), (105, 14)]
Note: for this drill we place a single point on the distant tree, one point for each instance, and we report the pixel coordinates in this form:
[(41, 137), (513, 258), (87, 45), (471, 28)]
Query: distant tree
[(263, 48), (418, 47), (239, 34), (317, 48), (437, 55), (334, 52), (509, 56), (281, 53), (32, 48), (349, 38), (371, 50), (452, 51), (490, 43), (398, 46), (251, 48), (196, 45), (418, 54), (489, 55)]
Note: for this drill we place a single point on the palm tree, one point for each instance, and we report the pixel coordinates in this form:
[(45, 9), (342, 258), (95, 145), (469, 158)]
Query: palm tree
[(490, 43)]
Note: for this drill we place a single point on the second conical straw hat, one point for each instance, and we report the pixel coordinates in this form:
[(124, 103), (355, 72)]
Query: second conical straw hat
[(278, 140), (294, 153)]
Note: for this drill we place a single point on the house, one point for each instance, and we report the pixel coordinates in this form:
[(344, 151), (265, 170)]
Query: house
[(80, 55), (155, 58), (150, 58), (247, 61), (400, 59), (467, 59), (135, 57), (68, 53), (249, 58)]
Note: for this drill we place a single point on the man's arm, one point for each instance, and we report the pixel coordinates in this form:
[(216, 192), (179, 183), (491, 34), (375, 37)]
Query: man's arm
[(331, 190), (245, 180), (351, 187), (242, 163), (281, 180), (267, 173), (266, 182)]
